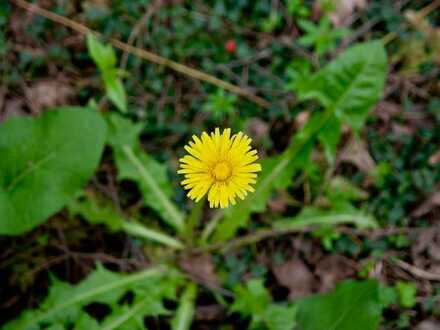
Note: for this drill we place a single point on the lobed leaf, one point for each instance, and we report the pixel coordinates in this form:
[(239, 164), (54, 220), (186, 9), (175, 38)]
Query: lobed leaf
[(65, 302), (351, 84), (136, 165)]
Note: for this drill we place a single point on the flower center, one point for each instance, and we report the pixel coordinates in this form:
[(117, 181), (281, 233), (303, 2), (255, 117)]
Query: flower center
[(221, 171)]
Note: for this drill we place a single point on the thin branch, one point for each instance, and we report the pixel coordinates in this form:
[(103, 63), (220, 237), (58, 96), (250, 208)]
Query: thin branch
[(417, 272)]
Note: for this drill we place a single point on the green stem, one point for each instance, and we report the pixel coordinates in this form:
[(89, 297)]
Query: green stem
[(175, 218), (210, 227), (139, 230), (193, 220), (185, 312)]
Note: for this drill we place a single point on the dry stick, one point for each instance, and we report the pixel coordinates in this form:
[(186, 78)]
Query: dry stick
[(144, 54), (417, 272)]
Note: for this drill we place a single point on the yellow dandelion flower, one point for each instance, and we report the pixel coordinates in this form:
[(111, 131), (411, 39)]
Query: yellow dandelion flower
[(220, 165)]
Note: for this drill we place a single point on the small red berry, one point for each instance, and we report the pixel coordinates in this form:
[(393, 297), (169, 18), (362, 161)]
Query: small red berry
[(231, 46)]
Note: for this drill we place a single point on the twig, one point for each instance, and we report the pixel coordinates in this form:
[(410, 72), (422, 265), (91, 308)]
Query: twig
[(417, 272), (144, 54)]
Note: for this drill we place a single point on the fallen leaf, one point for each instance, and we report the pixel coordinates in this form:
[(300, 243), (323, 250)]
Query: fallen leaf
[(48, 93), (428, 325), (434, 159), (257, 128), (210, 313), (344, 9), (356, 152), (278, 204), (332, 269), (295, 276), (201, 268)]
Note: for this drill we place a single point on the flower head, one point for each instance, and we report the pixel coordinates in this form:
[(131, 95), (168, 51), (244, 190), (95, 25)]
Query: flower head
[(221, 165)]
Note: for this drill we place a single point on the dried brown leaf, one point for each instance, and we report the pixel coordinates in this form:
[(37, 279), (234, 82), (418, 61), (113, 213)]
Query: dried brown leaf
[(434, 159), (356, 152), (344, 9), (201, 268), (48, 93), (296, 276), (332, 269), (428, 325)]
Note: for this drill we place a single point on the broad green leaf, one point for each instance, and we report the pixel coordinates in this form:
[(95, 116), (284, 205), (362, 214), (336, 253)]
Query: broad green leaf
[(350, 306), (44, 162), (105, 58), (64, 303), (351, 84), (280, 317), (344, 213), (277, 173), (136, 165), (254, 300), (185, 312)]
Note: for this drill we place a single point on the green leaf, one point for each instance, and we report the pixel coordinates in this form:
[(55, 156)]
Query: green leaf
[(350, 306), (351, 84), (329, 137), (134, 164), (407, 293), (44, 162), (185, 312), (251, 300), (348, 87), (341, 214), (277, 173), (105, 58), (115, 89), (103, 55), (65, 302), (158, 198), (96, 211), (279, 317), (255, 301), (341, 189)]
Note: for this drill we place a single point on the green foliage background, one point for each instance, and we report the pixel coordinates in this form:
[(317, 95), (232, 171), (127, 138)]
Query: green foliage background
[(133, 118)]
